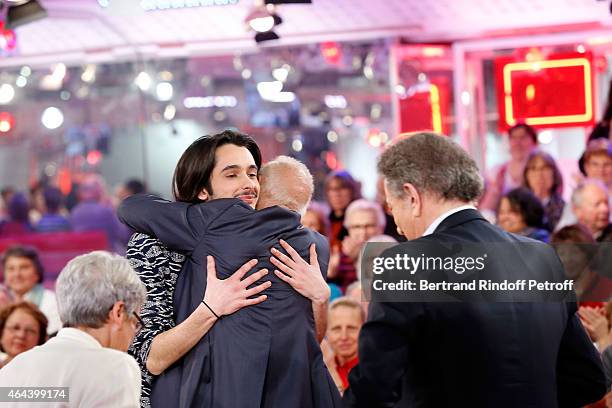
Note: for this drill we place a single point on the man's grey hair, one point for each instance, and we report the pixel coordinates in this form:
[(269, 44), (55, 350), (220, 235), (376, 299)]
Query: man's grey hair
[(90, 284), (578, 193), (434, 164), (287, 182), (365, 205)]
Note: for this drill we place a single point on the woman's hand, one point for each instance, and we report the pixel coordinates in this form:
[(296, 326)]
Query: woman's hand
[(229, 295), (595, 322), (305, 278)]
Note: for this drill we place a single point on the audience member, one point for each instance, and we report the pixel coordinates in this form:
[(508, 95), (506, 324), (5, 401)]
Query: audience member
[(543, 178), (51, 220), (520, 212), (5, 195), (344, 322), (598, 161), (590, 203), (37, 203), (99, 298), (340, 190), (315, 218), (24, 275), (577, 249), (18, 221), (127, 189), (91, 214), (363, 219), (22, 327), (6, 297), (522, 139), (354, 291)]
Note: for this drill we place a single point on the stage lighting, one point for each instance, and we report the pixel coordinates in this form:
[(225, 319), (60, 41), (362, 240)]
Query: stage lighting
[(288, 1), (21, 12), (262, 20), (267, 36)]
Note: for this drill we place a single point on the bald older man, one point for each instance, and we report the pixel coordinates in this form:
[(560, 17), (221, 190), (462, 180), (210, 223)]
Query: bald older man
[(591, 204)]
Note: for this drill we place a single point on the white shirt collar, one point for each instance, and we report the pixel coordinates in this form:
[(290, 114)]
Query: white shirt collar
[(70, 333), (434, 225)]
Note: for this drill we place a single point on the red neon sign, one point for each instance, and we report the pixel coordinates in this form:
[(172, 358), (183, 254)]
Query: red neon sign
[(425, 110), (555, 92)]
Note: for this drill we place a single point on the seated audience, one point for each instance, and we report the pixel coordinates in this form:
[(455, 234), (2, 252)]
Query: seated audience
[(18, 220), (590, 203), (24, 275), (598, 161), (577, 249), (127, 189), (543, 178), (92, 214), (22, 327), (99, 297), (5, 197), (341, 189), (522, 139), (363, 219), (597, 324), (354, 291), (6, 297), (520, 212), (51, 219), (344, 322), (315, 219)]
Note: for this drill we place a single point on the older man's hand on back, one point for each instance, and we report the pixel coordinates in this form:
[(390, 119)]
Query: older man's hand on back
[(307, 279)]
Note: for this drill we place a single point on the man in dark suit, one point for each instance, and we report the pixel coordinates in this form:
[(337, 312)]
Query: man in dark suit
[(470, 354), (265, 355)]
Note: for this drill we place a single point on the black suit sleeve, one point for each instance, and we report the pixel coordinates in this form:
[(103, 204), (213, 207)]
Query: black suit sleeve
[(384, 345), (177, 225), (580, 376), (322, 247)]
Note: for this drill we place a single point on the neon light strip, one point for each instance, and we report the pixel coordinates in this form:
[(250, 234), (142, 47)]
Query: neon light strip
[(547, 120), (436, 115)]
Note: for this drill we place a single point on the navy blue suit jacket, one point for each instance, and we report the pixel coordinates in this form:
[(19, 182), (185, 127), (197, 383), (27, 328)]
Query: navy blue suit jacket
[(477, 354), (265, 355)]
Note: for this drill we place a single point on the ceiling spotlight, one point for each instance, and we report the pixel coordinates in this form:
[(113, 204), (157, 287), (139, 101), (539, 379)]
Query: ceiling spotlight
[(52, 118), (288, 1), (270, 35), (281, 74), (164, 91), (21, 81), (143, 81), (7, 93), (89, 73), (261, 19), (21, 12)]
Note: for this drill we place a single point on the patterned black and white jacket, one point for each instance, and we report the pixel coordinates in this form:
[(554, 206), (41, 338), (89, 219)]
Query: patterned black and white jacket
[(158, 269)]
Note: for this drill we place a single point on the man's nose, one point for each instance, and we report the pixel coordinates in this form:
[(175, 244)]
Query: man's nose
[(248, 182)]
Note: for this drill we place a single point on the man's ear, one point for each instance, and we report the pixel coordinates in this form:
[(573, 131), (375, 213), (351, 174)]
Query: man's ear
[(414, 199), (116, 314), (203, 195)]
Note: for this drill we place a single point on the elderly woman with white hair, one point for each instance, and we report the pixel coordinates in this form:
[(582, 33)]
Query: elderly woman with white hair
[(364, 220), (99, 298)]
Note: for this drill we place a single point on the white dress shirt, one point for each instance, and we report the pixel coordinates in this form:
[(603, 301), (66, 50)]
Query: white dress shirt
[(96, 376), (436, 223)]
